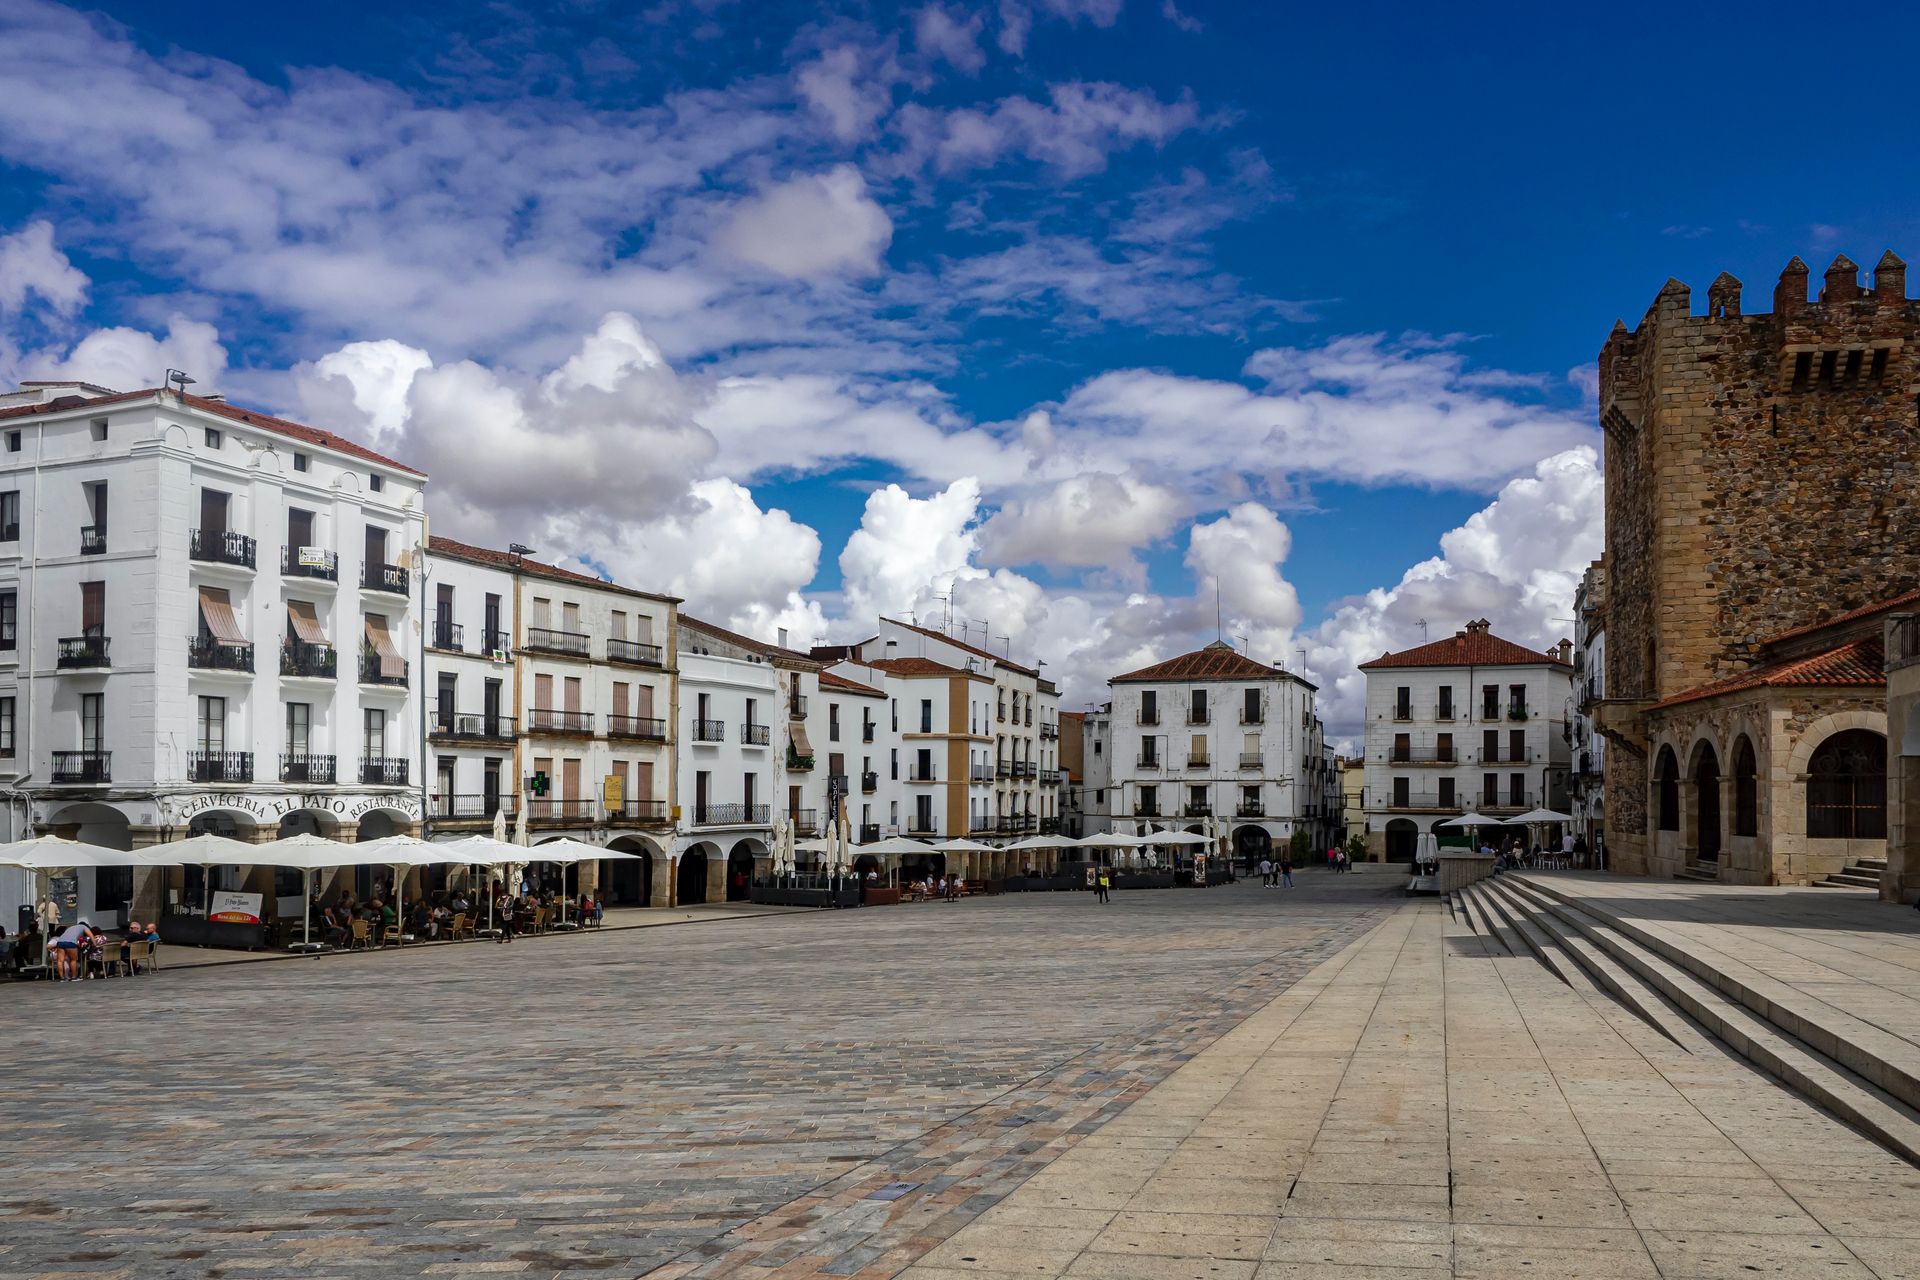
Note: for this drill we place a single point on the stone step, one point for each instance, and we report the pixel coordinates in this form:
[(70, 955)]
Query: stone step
[(1869, 864), (1708, 871), (1849, 880), (1797, 1046), (1491, 922), (1608, 974), (1477, 920)]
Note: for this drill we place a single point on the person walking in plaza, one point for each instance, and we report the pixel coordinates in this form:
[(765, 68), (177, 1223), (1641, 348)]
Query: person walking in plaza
[(1286, 869), (1102, 883), (1266, 873)]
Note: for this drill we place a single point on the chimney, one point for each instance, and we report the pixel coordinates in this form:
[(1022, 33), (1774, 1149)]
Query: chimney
[(783, 637)]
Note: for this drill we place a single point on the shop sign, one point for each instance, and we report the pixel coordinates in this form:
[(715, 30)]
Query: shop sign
[(229, 906), (272, 808)]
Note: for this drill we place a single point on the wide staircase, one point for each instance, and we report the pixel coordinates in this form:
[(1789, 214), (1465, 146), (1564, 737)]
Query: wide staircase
[(1695, 994), (1861, 874)]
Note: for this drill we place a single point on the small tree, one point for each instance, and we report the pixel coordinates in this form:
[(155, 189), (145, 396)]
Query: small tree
[(1298, 847), (1357, 848)]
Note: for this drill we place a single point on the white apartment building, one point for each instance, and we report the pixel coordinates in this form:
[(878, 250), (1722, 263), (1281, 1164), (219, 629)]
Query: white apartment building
[(209, 621), (854, 722), (1095, 801), (745, 746), (1469, 722), (943, 769), (1212, 734), (1587, 792), (553, 698)]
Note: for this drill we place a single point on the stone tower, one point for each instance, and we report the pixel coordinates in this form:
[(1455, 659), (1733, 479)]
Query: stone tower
[(1761, 475)]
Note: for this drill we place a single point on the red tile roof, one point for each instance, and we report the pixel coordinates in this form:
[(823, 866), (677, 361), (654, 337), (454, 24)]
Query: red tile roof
[(440, 546), (988, 654), (1909, 599), (791, 656), (1218, 661), (1857, 663), (828, 680), (919, 667), (220, 408), (1474, 647)]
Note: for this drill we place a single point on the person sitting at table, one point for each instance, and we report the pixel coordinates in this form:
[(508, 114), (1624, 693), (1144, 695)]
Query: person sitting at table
[(125, 965), (96, 954), (26, 946)]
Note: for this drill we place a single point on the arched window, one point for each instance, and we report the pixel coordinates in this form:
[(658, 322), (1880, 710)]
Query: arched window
[(1667, 780), (1847, 787), (1746, 789)]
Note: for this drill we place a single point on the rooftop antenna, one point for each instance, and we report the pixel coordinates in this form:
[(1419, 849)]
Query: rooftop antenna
[(1422, 624), (1302, 651), (1219, 630), (1245, 648), (179, 381)]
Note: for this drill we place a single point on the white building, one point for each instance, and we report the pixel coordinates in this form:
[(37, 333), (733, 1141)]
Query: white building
[(1471, 721), (1587, 792), (553, 693), (1210, 734), (209, 621), (1096, 803), (854, 721)]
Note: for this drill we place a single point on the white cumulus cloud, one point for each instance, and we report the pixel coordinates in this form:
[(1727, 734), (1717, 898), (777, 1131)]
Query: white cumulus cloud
[(813, 225), (31, 265)]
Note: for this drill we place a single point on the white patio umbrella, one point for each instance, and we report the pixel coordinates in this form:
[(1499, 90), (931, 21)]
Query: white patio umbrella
[(51, 853), (1532, 816), (485, 851), (305, 853), (403, 853), (962, 845), (567, 851)]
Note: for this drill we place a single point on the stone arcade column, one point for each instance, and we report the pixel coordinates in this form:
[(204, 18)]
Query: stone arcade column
[(660, 880), (717, 877), (150, 886)]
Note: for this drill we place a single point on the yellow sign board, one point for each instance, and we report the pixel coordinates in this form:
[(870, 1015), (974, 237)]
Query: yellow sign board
[(616, 790)]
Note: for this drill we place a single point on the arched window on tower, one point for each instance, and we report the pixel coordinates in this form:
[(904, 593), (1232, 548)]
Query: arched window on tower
[(1667, 783), (1746, 789), (1847, 787)]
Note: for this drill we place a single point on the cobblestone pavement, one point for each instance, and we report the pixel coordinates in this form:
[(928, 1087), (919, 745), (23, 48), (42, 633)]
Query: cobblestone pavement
[(697, 1100)]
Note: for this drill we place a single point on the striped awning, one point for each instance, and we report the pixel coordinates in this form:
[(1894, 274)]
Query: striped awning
[(216, 610), (801, 745), (305, 622), (392, 665)]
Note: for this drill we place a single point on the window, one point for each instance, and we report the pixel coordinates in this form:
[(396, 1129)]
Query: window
[(299, 728), (93, 717), (6, 728), (99, 428), (1150, 800), (1667, 785), (1402, 793), (9, 619), (213, 437), (617, 626), (299, 528), (1517, 745), (923, 813), (1250, 707), (1446, 702), (1517, 701), (447, 691), (1197, 708), (1149, 749), (570, 617), (10, 516), (1746, 790), (1490, 702), (13, 442), (753, 712), (1517, 790), (1403, 703), (93, 608), (1490, 746), (213, 726), (833, 723), (1149, 706), (376, 483), (374, 732), (1847, 788), (1447, 797), (299, 461), (923, 765), (926, 715), (893, 764), (1402, 747), (1489, 788)]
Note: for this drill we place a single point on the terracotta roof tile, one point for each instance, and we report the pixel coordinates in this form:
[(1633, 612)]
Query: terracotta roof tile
[(828, 680), (1218, 661), (1910, 598), (988, 654), (440, 546), (1469, 648), (1856, 663), (806, 661), (919, 667)]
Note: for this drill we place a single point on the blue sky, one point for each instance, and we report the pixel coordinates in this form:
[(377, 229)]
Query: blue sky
[(1069, 308)]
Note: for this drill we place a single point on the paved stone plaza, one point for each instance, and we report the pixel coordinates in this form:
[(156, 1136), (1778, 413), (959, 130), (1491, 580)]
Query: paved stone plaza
[(713, 1095)]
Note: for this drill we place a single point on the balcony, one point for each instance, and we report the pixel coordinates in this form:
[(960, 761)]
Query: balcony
[(806, 822), (570, 644), (869, 783), (470, 808), (448, 636), (1252, 760), (646, 728), (215, 546), (709, 731), (1149, 717), (796, 707), (310, 562), (1199, 809), (309, 661), (1516, 713), (204, 653), (1252, 717), (1201, 716), (1049, 826), (1506, 757), (1049, 777), (635, 654), (1250, 809), (1003, 769), (1197, 762), (1048, 731), (917, 774), (547, 810), (980, 824), (374, 671), (756, 735), (472, 727), (1490, 803), (1148, 762), (1423, 755), (797, 762), (77, 653), (1416, 801), (1025, 769), (920, 825), (494, 641), (1001, 715), (981, 773), (554, 720), (730, 815), (637, 813), (869, 833), (1444, 712), (220, 766), (304, 766), (1403, 711), (383, 771), (93, 540), (390, 578), (83, 766), (1146, 809)]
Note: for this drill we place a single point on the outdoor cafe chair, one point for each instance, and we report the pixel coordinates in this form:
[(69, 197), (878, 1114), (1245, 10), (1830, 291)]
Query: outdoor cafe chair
[(461, 924), (362, 936), (392, 934)]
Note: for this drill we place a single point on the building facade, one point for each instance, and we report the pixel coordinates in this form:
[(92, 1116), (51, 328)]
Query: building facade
[(1901, 879), (553, 702), (210, 622), (1213, 736), (1073, 773), (1471, 722), (1586, 790), (1758, 472)]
